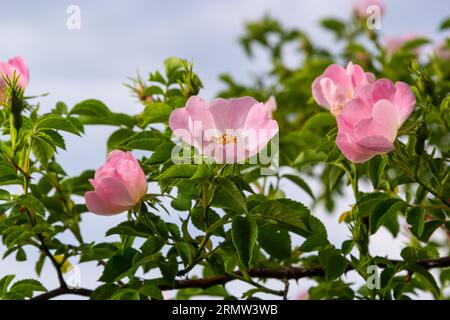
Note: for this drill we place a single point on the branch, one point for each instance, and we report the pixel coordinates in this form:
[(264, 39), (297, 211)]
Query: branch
[(61, 291), (281, 273), (288, 273)]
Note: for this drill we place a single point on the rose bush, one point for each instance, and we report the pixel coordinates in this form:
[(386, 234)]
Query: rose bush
[(202, 209)]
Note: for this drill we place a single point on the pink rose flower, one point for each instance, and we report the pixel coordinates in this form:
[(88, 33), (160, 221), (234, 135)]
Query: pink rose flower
[(119, 185), (336, 86), (369, 123), (360, 7), (15, 66), (228, 131)]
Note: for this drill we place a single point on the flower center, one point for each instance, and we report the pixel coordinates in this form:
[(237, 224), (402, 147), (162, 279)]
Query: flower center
[(226, 139)]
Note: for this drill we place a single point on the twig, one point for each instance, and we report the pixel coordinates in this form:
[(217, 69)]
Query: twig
[(281, 273)]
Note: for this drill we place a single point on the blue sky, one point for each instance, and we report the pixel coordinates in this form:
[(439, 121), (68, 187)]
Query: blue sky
[(119, 37)]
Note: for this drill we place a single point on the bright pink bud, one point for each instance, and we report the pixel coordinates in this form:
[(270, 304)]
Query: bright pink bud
[(336, 86), (369, 123), (360, 8), (119, 185), (228, 131), (15, 66)]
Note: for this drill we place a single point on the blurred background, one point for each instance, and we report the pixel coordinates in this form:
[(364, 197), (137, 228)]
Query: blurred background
[(119, 38)]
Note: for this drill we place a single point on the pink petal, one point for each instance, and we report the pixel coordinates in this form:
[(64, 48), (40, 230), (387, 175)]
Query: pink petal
[(179, 124), (404, 100), (377, 144), (318, 91), (384, 122), (232, 113), (100, 205), (351, 150), (383, 89), (356, 110), (115, 192), (271, 106), (18, 63)]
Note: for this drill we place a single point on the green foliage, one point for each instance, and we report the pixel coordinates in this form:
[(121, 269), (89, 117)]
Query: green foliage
[(205, 220)]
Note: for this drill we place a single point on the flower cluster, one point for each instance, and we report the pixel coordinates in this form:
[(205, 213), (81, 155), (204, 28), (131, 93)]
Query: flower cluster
[(368, 112)]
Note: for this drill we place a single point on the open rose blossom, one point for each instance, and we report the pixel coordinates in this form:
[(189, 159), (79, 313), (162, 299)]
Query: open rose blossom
[(368, 124), (336, 86), (119, 185), (228, 131)]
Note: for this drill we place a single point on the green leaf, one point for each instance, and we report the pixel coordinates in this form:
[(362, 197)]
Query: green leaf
[(151, 291), (99, 251), (413, 254), (181, 203), (161, 154), (445, 24), (43, 149), (5, 195), (319, 121), (116, 139), (309, 156), (152, 245), (54, 121), (96, 112), (275, 241), (184, 252), (91, 107), (425, 274), (119, 265), (148, 140), (169, 268), (31, 203), (155, 113), (416, 218), (289, 214), (244, 233), (229, 196), (300, 182), (4, 283), (313, 243), (383, 211), (375, 170), (347, 246), (27, 287), (178, 171), (334, 25), (336, 266), (131, 228)]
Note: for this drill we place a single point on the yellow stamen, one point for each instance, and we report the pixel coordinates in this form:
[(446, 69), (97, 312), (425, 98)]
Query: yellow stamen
[(226, 139)]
